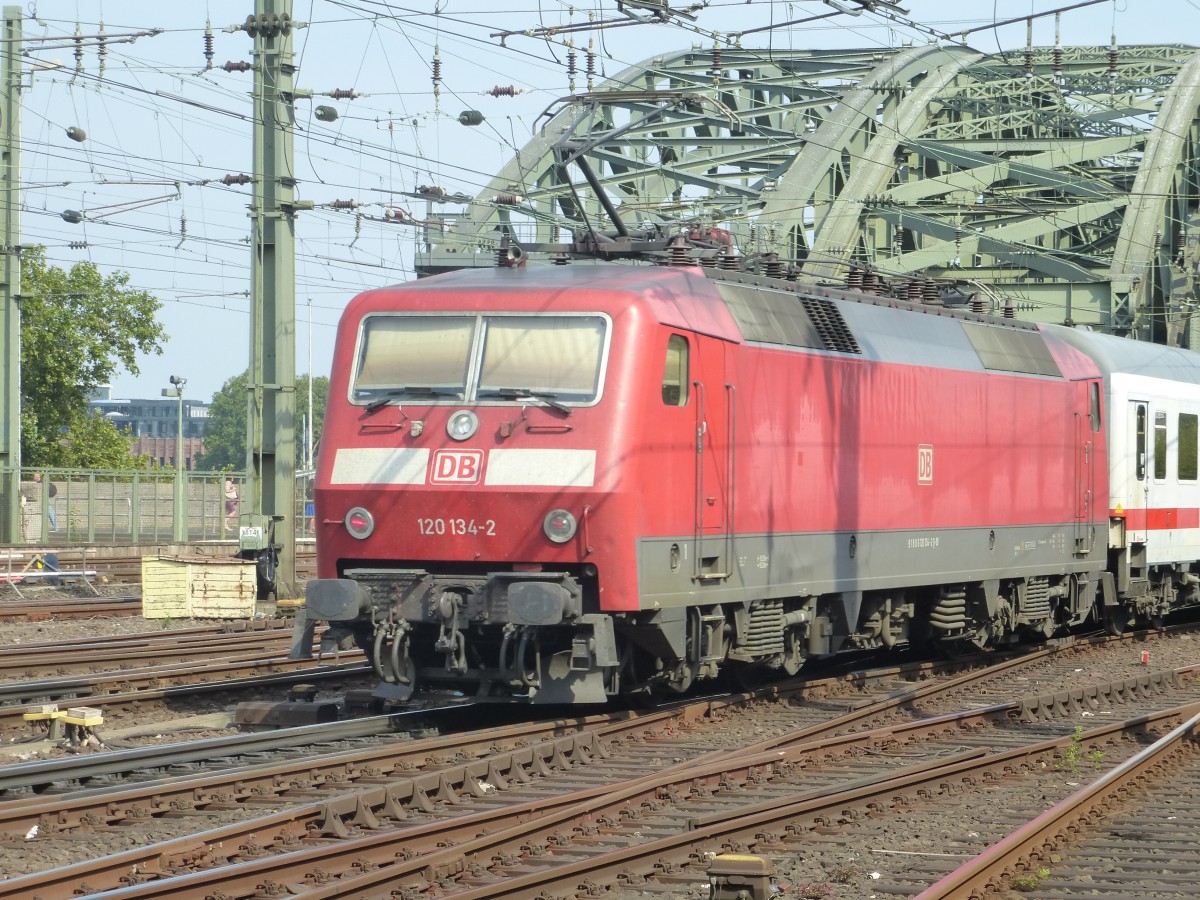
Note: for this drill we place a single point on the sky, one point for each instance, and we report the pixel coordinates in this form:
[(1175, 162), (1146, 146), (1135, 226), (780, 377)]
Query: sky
[(163, 130)]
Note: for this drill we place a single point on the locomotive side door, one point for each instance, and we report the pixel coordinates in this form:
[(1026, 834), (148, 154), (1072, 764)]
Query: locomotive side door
[(715, 400)]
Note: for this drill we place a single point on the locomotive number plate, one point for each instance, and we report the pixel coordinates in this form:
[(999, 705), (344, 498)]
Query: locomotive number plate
[(486, 527)]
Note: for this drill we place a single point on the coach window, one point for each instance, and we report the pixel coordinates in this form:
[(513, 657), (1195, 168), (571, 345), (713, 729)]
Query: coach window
[(1189, 430), (675, 373), (1160, 446), (1141, 442)]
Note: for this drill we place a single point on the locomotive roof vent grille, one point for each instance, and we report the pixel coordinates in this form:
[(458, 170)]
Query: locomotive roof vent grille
[(775, 317), (1007, 350), (830, 325)]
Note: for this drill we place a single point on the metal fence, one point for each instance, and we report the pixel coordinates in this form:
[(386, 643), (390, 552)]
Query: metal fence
[(61, 507)]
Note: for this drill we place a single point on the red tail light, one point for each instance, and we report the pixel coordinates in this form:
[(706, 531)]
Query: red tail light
[(559, 526), (359, 523)]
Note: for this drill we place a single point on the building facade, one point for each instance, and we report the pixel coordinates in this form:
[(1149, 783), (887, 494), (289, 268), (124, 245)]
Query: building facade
[(153, 422)]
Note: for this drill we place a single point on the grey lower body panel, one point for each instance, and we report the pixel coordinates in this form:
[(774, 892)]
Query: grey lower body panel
[(763, 566)]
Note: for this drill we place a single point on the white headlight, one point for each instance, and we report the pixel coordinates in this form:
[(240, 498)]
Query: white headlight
[(462, 425)]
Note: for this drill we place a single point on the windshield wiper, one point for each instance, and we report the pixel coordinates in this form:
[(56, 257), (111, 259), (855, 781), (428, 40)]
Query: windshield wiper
[(547, 397), (420, 390)]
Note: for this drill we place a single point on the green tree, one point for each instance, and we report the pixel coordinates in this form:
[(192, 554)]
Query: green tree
[(78, 329), (225, 431), (91, 441), (225, 428)]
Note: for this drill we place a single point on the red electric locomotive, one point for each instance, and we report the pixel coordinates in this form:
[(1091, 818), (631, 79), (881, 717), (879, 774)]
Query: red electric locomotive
[(566, 483)]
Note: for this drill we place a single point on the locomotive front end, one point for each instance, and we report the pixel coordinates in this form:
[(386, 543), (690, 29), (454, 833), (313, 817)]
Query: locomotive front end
[(462, 465)]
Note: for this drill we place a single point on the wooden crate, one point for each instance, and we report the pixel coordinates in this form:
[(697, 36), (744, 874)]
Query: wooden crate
[(198, 587)]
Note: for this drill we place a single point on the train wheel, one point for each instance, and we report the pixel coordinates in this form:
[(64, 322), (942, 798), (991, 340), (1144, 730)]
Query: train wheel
[(637, 691), (683, 676), (1116, 619)]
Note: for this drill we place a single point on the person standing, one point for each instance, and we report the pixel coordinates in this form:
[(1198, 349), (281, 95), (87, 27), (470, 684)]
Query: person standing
[(231, 502), (51, 493)]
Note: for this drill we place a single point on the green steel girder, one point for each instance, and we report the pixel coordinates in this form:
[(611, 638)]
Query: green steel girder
[(1138, 268), (1011, 243), (870, 173), (1038, 168), (981, 118), (1066, 180)]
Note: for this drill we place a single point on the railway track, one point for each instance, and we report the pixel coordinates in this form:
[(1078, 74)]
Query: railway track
[(1131, 832), (83, 608), (667, 832), (145, 693), (378, 796), (137, 651), (141, 678)]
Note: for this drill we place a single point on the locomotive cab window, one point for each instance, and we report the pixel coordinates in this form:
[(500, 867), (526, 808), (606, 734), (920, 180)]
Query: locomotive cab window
[(1094, 396), (453, 358), (1160, 446), (1189, 430), (421, 357), (558, 356), (675, 372)]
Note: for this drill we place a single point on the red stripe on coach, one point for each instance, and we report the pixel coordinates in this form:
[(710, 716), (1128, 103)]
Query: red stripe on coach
[(1159, 518)]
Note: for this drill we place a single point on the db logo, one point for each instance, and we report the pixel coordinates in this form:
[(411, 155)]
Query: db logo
[(924, 464), (456, 467)]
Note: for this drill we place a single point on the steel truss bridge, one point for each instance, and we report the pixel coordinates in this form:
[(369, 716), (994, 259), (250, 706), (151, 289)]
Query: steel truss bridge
[(1060, 183)]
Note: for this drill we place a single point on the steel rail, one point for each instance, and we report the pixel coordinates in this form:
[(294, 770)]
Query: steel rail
[(328, 818), (70, 609), (116, 640), (44, 772), (437, 851), (18, 815), (124, 681), (219, 645), (294, 824), (745, 826), (992, 868), (282, 671)]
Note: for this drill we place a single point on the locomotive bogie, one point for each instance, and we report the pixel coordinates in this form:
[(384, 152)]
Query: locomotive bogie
[(573, 483)]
